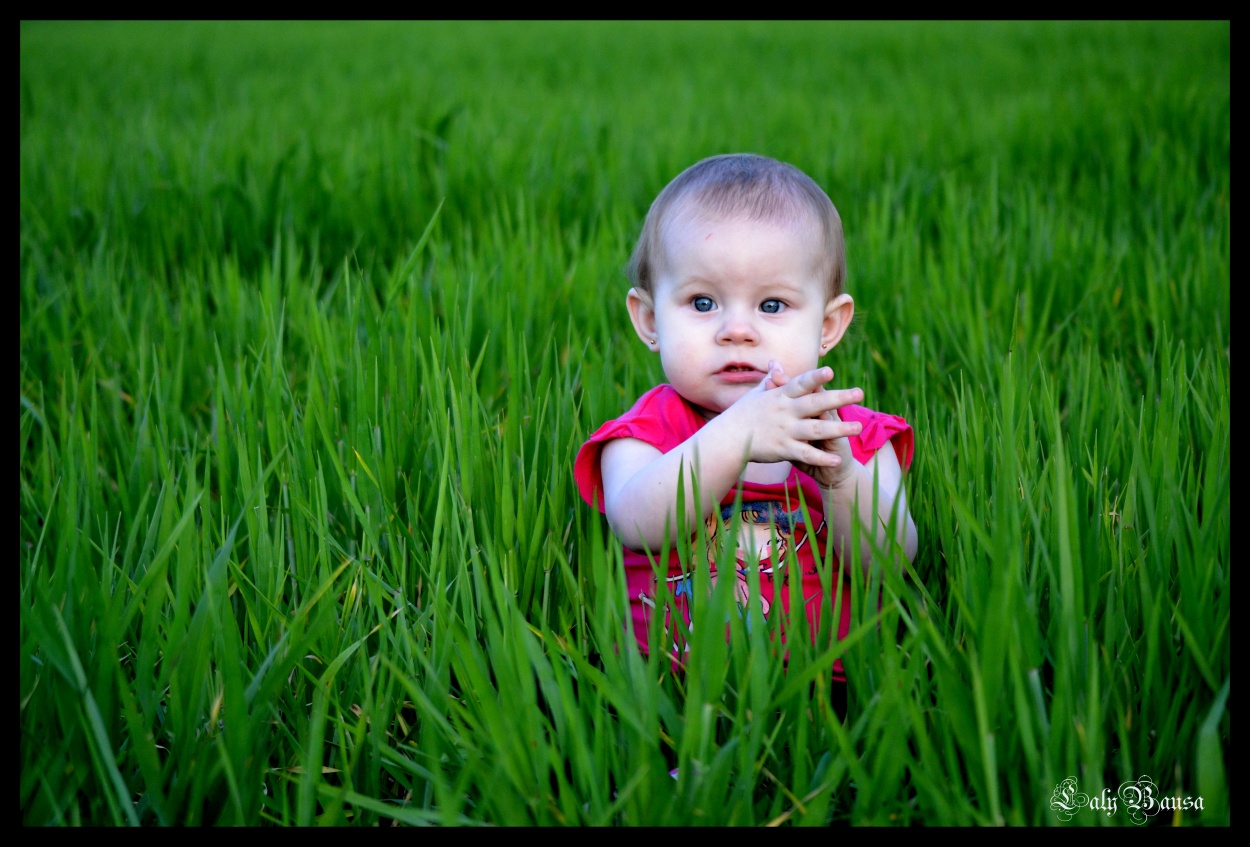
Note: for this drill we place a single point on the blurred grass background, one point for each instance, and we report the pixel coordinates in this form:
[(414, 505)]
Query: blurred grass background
[(313, 318)]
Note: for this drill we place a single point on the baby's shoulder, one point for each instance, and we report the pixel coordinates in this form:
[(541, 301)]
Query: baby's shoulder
[(659, 400), (660, 418), (878, 428)]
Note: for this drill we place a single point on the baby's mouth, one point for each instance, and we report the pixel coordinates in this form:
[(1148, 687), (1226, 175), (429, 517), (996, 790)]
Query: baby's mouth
[(739, 372)]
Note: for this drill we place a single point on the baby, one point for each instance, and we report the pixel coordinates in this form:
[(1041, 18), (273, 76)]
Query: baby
[(738, 284)]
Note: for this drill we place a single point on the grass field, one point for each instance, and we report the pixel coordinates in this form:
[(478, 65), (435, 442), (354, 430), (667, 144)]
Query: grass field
[(313, 318)]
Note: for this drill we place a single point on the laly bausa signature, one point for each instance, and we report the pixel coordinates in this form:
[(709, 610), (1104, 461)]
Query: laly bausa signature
[(1140, 798)]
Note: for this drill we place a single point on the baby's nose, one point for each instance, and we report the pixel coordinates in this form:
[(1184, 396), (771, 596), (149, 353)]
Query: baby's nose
[(737, 329)]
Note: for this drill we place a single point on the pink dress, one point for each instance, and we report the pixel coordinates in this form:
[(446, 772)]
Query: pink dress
[(771, 513)]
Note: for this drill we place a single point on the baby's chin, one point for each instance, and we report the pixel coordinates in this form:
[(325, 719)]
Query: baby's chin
[(703, 411), (710, 407)]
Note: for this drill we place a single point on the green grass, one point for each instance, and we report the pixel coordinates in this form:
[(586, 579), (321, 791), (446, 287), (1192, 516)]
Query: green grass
[(313, 319)]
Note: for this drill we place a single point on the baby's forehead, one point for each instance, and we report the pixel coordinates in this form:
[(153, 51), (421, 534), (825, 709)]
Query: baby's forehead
[(801, 222), (780, 211)]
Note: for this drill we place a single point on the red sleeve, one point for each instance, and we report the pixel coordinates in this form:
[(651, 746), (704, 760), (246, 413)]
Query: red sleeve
[(660, 418), (879, 428)]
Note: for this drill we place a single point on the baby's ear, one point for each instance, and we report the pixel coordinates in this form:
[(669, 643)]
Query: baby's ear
[(838, 314), (642, 313)]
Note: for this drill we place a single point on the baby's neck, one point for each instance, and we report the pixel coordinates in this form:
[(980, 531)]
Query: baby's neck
[(766, 473)]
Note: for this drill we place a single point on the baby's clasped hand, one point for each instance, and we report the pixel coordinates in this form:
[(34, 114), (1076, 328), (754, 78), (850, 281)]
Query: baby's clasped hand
[(795, 419)]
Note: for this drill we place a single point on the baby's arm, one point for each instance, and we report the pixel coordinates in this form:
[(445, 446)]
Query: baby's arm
[(857, 487), (848, 482), (640, 483), (767, 424)]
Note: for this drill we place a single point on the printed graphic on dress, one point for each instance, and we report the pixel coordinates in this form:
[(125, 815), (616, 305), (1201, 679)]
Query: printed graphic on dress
[(764, 532)]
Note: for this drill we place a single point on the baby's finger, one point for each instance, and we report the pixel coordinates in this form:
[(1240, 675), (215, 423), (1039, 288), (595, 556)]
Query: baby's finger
[(806, 383), (819, 402), (777, 373), (822, 429), (810, 454), (776, 376)]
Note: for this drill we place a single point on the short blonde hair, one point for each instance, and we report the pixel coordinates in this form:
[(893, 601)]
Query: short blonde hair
[(733, 185)]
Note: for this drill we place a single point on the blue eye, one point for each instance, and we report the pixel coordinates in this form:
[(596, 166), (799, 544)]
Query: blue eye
[(703, 304), (771, 307)]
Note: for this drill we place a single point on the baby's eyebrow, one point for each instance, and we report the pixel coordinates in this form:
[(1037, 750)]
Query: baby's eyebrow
[(694, 285), (702, 284), (765, 288), (786, 288)]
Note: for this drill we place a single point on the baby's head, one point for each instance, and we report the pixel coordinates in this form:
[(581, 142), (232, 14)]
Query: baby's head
[(740, 185), (741, 265)]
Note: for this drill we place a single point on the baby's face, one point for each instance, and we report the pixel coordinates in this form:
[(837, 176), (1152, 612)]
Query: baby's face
[(732, 295)]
